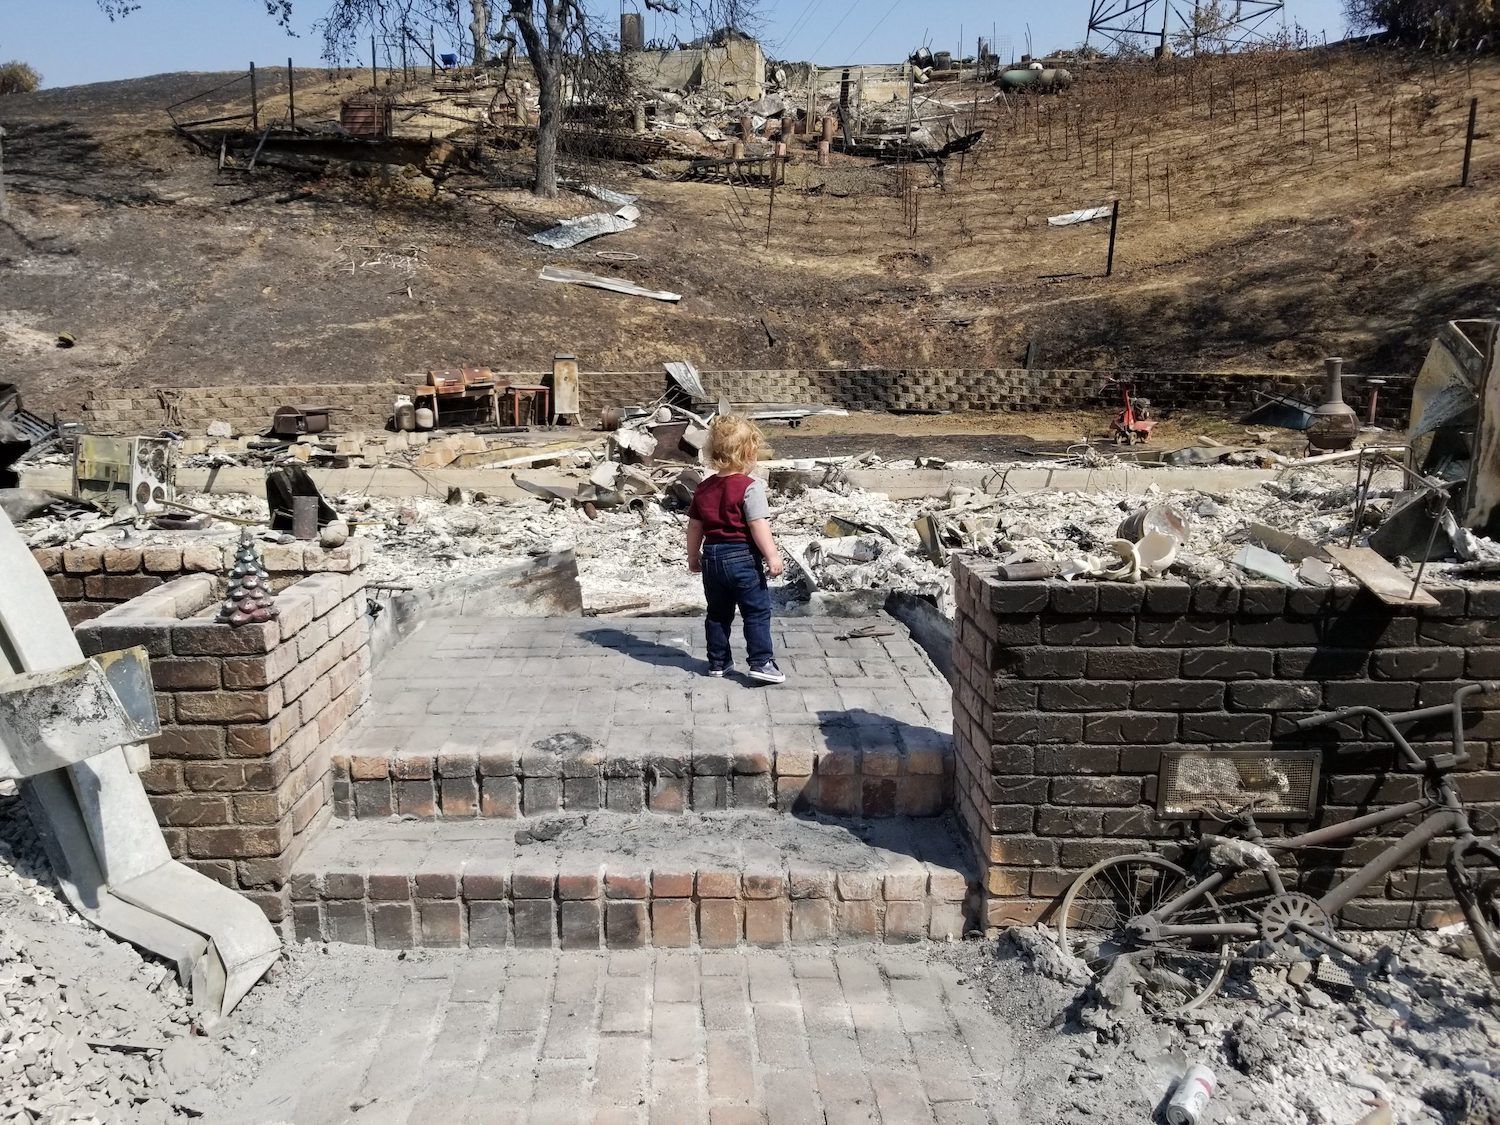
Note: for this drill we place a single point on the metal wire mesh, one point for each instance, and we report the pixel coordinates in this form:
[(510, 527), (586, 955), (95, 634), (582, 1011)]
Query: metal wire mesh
[(1276, 784)]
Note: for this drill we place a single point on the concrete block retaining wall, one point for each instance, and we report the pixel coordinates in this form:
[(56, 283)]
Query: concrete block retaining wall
[(1065, 696), (367, 406), (241, 775)]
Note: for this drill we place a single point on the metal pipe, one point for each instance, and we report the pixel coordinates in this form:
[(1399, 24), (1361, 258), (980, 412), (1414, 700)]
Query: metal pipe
[(1416, 583), (1390, 859), (1211, 929), (1192, 894), (1351, 951), (1349, 828)]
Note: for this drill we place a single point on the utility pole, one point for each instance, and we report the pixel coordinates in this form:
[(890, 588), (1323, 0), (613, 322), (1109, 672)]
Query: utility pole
[(3, 205), (254, 103), (291, 96)]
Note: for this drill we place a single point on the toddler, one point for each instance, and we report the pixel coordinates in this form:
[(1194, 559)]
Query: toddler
[(729, 542)]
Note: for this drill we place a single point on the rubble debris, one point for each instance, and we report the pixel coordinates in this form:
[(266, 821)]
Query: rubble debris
[(1258, 561), (283, 485), (1413, 527), (1381, 578), (27, 503), (1454, 413), (573, 232), (23, 434), (117, 472), (1292, 547), (1315, 572), (613, 284), (684, 377), (1281, 411), (1071, 218), (1281, 1048)]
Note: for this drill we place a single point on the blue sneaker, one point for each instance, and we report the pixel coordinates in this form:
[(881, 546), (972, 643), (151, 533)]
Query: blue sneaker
[(717, 672)]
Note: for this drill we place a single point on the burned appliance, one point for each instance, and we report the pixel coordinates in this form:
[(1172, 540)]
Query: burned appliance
[(294, 421), (118, 471)]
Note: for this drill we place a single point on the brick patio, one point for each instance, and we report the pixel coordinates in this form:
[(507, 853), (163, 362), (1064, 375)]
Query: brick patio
[(676, 1038)]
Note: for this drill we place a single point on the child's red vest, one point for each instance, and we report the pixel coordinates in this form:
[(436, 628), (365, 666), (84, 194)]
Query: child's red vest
[(719, 505)]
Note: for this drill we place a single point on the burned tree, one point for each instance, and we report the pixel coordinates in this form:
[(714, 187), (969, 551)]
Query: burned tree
[(346, 20), (279, 10), (549, 30)]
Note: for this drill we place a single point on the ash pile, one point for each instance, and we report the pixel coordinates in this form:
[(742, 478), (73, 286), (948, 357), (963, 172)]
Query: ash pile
[(1414, 1038), (90, 1030)]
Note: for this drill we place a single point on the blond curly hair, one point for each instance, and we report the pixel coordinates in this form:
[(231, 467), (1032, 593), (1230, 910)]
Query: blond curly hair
[(735, 443)]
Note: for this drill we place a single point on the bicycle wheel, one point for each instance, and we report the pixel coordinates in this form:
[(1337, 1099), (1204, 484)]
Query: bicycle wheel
[(1475, 876), (1180, 973)]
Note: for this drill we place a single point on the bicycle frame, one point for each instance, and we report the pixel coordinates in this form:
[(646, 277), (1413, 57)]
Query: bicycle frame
[(1448, 819)]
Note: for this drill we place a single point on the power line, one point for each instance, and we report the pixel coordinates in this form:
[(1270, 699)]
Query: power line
[(813, 54), (854, 54), (797, 23)]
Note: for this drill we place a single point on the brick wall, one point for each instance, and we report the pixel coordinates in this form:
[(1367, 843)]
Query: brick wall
[(87, 581), (241, 775), (367, 406), (1065, 696)]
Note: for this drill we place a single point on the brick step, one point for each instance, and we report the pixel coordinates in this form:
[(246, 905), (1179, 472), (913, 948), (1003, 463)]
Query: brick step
[(872, 770), (501, 718), (588, 880)]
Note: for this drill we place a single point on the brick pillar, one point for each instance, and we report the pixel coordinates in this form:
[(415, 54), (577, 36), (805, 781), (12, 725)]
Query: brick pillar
[(242, 769), (1066, 695)]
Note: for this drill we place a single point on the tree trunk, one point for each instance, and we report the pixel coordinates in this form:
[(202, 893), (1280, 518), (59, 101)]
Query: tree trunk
[(549, 125), (479, 28)]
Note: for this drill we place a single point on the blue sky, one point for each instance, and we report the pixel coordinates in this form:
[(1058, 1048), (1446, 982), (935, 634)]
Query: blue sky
[(71, 41)]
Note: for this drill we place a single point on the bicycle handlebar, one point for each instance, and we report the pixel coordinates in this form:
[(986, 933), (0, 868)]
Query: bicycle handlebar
[(1389, 722)]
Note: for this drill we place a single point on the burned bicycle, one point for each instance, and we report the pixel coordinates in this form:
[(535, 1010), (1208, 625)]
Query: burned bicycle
[(1182, 927)]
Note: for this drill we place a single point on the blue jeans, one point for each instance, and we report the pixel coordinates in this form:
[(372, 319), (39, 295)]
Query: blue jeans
[(734, 578)]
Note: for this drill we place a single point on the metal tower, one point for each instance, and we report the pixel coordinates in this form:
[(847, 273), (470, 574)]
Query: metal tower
[(1128, 22)]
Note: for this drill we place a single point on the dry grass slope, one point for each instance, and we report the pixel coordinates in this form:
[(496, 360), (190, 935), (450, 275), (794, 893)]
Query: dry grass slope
[(1290, 234)]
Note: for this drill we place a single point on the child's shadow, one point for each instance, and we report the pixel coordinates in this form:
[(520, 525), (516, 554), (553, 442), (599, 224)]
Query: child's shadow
[(646, 651)]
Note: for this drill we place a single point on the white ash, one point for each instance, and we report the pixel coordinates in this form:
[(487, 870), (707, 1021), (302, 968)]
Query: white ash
[(91, 1030), (624, 556), (1425, 1036)]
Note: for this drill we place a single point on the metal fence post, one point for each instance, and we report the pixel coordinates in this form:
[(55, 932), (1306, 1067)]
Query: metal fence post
[(1469, 140)]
